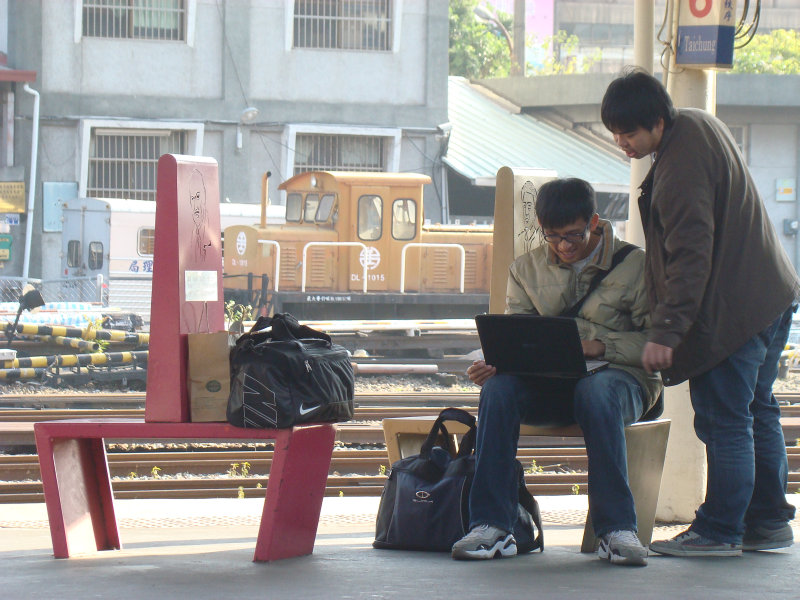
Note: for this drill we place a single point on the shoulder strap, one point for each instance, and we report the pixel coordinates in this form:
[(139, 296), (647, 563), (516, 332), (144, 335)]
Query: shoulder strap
[(618, 257)]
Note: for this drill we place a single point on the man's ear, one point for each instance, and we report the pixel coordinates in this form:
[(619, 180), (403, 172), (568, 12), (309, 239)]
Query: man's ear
[(594, 221)]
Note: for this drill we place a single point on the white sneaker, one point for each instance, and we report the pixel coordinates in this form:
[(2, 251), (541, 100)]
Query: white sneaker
[(485, 541), (622, 547)]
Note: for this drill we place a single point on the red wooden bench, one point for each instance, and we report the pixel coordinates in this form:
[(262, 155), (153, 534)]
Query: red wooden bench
[(80, 502)]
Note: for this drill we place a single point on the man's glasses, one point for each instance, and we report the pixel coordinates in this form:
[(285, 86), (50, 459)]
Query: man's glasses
[(572, 238)]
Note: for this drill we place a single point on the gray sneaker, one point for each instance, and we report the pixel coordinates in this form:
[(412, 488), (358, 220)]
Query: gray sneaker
[(485, 541), (766, 538), (622, 547), (690, 543)]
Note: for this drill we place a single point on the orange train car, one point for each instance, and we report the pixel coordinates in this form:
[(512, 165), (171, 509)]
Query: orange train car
[(356, 246)]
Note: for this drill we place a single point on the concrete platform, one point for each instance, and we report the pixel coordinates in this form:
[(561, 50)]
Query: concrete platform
[(197, 549)]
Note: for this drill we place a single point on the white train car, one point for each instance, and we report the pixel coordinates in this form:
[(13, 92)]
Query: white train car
[(114, 235), (114, 238)]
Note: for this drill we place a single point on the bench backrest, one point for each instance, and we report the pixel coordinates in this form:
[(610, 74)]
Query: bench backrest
[(516, 228)]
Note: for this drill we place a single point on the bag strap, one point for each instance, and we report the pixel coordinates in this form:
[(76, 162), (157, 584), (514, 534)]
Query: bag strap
[(618, 257), (530, 504), (438, 428)]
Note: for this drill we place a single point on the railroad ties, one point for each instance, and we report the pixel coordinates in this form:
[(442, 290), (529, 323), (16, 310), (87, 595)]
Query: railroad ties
[(202, 470)]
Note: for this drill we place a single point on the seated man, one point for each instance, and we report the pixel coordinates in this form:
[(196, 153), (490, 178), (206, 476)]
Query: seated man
[(613, 324)]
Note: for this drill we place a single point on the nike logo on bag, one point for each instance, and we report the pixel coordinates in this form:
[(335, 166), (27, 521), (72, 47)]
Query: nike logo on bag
[(305, 411)]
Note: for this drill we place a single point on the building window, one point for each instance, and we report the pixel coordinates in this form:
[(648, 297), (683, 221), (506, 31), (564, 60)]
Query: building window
[(404, 219), (95, 255), (137, 19), (122, 164), (739, 133), (343, 24), (315, 152), (370, 218), (74, 253), (147, 241)]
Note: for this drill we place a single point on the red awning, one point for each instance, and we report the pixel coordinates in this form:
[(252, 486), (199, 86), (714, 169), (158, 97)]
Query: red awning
[(14, 75)]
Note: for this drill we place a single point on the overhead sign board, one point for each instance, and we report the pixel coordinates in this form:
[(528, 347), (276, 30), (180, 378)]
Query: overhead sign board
[(705, 33)]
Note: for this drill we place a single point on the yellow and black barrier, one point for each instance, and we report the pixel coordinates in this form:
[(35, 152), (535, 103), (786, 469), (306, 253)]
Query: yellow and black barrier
[(69, 342), (14, 374), (76, 360), (88, 333)]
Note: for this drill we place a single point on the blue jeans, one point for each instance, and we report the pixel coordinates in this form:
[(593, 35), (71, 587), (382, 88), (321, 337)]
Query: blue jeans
[(602, 405), (738, 419)]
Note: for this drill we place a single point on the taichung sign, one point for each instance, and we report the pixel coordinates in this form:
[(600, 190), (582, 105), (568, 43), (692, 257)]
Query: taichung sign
[(705, 33)]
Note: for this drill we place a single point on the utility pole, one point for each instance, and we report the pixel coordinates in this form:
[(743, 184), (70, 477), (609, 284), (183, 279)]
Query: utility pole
[(518, 55), (684, 477)]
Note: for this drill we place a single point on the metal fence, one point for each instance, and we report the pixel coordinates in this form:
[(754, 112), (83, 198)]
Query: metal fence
[(77, 289), (131, 292), (125, 292)]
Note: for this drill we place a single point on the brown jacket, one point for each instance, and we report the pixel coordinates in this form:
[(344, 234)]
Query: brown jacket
[(716, 273)]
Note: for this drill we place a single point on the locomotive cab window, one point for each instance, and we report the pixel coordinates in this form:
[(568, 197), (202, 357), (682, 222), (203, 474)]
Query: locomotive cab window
[(325, 208), (294, 207), (370, 217), (74, 253), (146, 240), (404, 219), (95, 255), (310, 211)]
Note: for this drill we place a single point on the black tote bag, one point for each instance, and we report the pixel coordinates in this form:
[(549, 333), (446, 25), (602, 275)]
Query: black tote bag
[(284, 374), (425, 500)]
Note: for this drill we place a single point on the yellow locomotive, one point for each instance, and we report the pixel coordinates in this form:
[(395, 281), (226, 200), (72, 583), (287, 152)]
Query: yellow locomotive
[(356, 246)]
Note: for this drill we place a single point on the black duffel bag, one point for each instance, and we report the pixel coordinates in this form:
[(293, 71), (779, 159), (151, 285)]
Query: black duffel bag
[(284, 373), (425, 500)]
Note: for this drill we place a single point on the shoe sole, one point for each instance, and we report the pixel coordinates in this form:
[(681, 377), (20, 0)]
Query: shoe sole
[(771, 545), (501, 548), (618, 559), (695, 553)]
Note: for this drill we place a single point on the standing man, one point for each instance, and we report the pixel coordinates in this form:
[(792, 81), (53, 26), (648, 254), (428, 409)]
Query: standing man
[(612, 322), (722, 294)]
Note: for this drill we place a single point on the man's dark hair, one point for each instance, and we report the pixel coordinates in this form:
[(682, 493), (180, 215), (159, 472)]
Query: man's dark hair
[(636, 99), (561, 202)]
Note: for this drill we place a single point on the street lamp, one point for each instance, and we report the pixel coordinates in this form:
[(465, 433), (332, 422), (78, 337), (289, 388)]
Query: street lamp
[(484, 16)]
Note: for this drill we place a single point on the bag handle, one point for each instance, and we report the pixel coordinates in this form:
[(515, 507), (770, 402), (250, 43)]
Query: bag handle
[(283, 327), (451, 414)]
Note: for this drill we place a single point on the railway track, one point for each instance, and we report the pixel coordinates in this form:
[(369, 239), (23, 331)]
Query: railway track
[(790, 403), (549, 471), (206, 470)]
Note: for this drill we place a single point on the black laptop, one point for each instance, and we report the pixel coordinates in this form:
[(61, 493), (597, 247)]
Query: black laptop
[(531, 345)]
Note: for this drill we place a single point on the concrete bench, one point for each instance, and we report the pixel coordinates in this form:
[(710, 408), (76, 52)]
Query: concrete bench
[(80, 502), (646, 444)]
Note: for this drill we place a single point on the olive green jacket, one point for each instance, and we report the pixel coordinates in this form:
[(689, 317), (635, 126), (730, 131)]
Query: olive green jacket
[(616, 313)]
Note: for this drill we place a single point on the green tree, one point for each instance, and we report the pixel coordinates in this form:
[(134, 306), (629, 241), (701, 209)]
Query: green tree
[(476, 50), (564, 57), (777, 52)]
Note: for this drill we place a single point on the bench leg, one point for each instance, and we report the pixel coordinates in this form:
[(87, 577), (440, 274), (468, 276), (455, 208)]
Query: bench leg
[(295, 490), (78, 496), (646, 447)]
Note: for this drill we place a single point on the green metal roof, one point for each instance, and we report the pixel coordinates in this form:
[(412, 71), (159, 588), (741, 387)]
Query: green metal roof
[(485, 136)]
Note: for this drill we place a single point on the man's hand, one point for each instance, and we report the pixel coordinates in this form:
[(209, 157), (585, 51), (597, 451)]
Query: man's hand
[(656, 357), (478, 372), (593, 348)]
